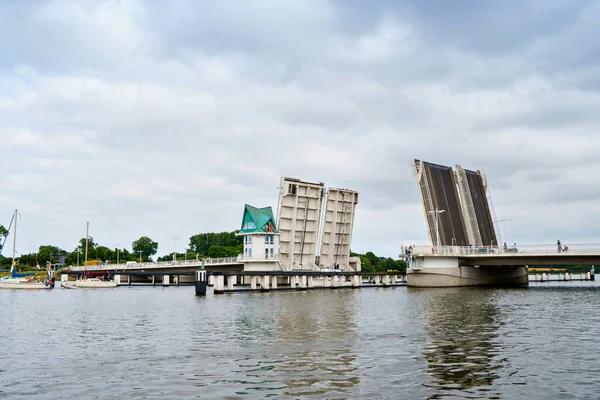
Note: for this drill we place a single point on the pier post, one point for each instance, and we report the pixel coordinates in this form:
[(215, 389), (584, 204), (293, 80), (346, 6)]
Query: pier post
[(333, 281), (201, 283), (303, 282), (274, 282), (253, 282), (293, 281), (264, 286), (219, 284), (386, 280), (310, 282), (166, 280), (231, 281)]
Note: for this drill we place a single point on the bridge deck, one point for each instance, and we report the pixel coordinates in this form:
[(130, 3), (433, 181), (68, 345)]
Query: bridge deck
[(579, 254), (163, 265)]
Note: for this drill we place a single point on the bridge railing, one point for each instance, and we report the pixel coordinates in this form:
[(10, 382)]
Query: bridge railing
[(244, 257), (506, 251), (155, 265)]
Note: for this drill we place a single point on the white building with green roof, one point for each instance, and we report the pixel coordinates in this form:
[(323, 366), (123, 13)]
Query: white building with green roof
[(261, 240)]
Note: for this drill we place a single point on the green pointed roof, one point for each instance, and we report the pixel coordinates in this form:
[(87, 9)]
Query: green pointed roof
[(257, 220)]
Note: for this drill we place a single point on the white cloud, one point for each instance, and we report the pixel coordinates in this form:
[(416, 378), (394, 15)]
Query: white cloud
[(164, 118)]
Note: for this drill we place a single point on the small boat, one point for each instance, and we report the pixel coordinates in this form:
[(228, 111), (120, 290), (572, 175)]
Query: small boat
[(87, 282), (23, 281)]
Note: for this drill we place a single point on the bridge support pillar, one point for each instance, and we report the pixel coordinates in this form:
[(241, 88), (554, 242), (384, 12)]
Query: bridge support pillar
[(334, 281), (264, 285), (303, 282), (253, 282), (165, 280), (274, 282), (447, 271), (117, 278), (310, 281), (219, 282), (231, 281)]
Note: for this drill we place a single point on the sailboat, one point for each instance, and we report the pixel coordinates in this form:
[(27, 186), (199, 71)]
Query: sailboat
[(22, 281), (85, 281)]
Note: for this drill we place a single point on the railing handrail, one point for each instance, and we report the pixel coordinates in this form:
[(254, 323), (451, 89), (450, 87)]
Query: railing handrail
[(544, 249), (157, 264)]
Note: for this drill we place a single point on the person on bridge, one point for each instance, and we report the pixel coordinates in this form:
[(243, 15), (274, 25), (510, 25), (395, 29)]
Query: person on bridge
[(559, 246)]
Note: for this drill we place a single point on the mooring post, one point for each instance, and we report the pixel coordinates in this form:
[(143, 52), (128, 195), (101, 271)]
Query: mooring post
[(201, 283)]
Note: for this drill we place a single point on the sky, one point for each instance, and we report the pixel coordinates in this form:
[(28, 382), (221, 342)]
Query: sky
[(163, 118)]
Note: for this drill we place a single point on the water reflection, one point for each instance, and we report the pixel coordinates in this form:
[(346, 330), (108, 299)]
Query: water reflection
[(463, 325), (311, 342)]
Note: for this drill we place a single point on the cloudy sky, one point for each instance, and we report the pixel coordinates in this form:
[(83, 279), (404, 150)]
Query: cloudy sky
[(163, 118)]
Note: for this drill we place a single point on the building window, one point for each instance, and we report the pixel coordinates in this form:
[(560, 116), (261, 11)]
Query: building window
[(249, 239), (266, 253), (271, 251), (250, 252)]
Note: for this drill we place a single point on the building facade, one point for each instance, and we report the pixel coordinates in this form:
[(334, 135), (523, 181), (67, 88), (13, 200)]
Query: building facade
[(261, 240)]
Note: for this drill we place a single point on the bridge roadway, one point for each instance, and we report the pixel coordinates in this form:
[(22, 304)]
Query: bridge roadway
[(494, 256), (210, 264)]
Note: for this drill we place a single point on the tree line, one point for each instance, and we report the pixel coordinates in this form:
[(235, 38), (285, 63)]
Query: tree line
[(373, 263), (213, 245)]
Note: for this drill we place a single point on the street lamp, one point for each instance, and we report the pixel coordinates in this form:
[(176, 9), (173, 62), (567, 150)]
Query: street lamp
[(436, 215), (140, 251), (175, 247)]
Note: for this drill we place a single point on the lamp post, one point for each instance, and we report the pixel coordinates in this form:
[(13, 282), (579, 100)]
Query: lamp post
[(436, 213), (140, 251), (175, 247)]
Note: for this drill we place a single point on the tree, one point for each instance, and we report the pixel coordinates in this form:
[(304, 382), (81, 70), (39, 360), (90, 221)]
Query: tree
[(91, 249), (45, 254), (147, 246), (201, 242), (103, 253), (3, 234)]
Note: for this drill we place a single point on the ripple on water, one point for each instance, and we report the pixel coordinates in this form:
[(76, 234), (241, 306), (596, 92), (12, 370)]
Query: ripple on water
[(394, 343)]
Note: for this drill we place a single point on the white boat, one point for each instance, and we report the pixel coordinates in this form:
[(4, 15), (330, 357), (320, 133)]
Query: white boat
[(86, 282), (22, 281), (19, 283)]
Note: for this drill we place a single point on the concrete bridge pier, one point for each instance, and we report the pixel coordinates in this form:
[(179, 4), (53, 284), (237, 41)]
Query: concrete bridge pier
[(447, 271)]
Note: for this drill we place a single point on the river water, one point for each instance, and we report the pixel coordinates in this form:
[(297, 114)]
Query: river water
[(540, 342)]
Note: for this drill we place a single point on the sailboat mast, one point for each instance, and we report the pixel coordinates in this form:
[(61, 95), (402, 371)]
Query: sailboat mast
[(87, 239), (12, 267)]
